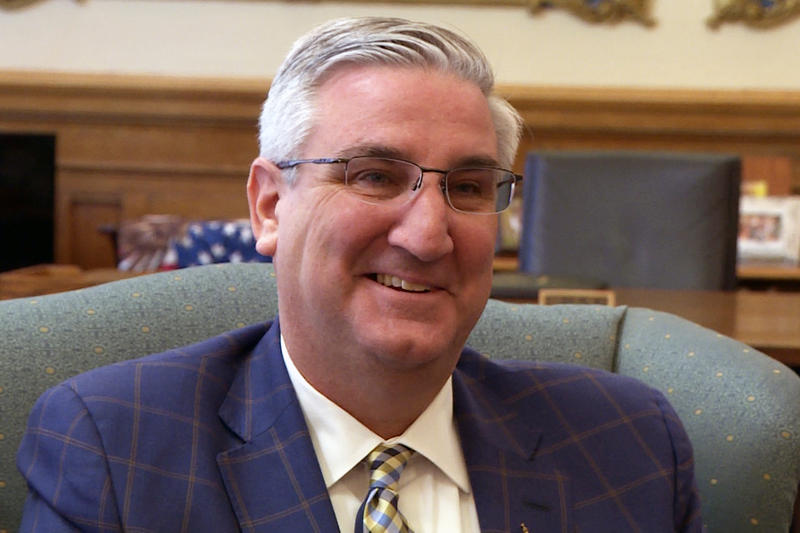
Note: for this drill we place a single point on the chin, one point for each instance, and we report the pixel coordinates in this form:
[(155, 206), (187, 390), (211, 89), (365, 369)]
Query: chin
[(413, 351)]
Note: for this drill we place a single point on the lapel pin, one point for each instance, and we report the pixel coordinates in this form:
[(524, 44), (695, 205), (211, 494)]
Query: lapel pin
[(524, 528)]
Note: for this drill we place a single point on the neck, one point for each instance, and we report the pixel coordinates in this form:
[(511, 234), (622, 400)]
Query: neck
[(385, 400), (403, 405)]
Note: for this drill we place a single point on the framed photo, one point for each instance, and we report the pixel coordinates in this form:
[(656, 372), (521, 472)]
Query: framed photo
[(510, 226), (769, 228), (577, 296)]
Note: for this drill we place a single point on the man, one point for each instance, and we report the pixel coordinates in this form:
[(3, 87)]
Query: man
[(382, 168)]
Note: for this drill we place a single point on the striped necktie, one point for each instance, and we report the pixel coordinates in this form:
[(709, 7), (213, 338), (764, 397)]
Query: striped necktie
[(378, 513)]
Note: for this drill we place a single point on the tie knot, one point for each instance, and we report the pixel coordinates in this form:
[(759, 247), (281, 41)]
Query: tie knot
[(386, 463)]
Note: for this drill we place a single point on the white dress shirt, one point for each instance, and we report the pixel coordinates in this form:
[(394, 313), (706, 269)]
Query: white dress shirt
[(434, 489)]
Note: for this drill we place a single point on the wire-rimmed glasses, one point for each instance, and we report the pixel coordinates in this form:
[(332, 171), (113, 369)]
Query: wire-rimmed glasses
[(392, 182)]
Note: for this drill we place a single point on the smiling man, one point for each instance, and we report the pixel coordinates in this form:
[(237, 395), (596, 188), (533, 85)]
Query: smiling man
[(378, 293), (384, 162)]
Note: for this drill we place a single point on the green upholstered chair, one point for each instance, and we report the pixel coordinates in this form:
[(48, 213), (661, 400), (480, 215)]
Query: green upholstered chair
[(741, 408)]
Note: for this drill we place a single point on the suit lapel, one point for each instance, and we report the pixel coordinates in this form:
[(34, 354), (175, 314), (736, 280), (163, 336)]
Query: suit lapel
[(512, 485), (273, 479)]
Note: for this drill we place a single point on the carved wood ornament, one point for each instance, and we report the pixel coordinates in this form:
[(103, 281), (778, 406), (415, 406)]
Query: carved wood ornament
[(17, 4), (601, 10), (755, 13), (610, 11), (14, 4)]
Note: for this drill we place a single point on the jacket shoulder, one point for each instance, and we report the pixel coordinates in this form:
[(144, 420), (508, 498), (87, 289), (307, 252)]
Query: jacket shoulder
[(218, 356), (539, 376)]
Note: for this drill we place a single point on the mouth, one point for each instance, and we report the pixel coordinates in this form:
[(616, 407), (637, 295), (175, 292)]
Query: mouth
[(393, 282)]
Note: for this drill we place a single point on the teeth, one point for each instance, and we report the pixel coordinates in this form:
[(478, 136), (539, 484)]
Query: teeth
[(408, 286), (398, 283)]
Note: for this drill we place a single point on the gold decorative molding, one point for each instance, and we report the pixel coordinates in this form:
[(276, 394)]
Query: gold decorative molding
[(597, 11), (17, 4), (755, 13), (601, 10), (14, 4)]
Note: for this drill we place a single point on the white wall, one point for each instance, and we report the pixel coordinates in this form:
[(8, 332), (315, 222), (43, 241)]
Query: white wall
[(247, 39)]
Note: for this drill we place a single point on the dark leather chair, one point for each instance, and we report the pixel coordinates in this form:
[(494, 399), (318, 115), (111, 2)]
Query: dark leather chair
[(632, 219)]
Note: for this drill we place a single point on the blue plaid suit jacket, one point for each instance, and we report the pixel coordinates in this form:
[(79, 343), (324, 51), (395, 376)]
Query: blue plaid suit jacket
[(210, 438)]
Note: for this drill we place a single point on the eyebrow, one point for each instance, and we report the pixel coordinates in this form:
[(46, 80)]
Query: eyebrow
[(371, 150), (477, 161), (376, 150)]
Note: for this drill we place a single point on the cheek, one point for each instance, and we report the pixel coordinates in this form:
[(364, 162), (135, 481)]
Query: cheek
[(330, 234), (477, 243)]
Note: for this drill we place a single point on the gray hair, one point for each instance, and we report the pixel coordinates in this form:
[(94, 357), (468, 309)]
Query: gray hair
[(287, 115)]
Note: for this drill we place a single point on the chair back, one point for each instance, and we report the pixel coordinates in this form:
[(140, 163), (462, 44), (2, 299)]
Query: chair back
[(632, 219)]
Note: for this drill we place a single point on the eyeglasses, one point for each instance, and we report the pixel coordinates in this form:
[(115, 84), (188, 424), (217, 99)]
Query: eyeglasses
[(392, 182)]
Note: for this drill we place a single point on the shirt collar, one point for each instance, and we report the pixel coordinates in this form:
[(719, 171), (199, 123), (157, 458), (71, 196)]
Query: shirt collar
[(341, 442)]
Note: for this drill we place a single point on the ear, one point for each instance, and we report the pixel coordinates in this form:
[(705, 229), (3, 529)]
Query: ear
[(264, 188)]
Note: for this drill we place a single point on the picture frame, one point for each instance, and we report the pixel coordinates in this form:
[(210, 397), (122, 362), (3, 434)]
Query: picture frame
[(769, 228), (509, 229), (577, 296)]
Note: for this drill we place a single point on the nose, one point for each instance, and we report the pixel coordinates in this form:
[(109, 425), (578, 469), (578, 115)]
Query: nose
[(422, 227)]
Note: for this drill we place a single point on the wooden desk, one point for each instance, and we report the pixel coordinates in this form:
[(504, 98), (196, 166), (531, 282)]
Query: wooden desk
[(47, 279), (768, 271), (745, 271), (768, 321), (769, 275)]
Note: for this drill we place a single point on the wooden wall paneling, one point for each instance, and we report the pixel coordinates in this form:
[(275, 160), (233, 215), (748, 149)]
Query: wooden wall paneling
[(158, 147), (129, 146), (202, 197), (750, 123), (776, 171), (98, 197), (207, 195), (133, 145), (84, 244)]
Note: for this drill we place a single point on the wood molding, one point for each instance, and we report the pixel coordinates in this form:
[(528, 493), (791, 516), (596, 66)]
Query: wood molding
[(127, 99), (37, 97), (161, 98), (751, 123), (682, 111), (155, 141)]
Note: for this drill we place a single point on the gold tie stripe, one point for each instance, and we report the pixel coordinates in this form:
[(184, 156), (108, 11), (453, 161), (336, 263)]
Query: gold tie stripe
[(379, 512)]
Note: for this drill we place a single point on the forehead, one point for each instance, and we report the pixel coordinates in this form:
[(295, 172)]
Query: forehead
[(419, 113)]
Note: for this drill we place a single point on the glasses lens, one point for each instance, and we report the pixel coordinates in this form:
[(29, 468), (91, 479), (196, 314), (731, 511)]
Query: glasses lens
[(376, 179), (479, 190)]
